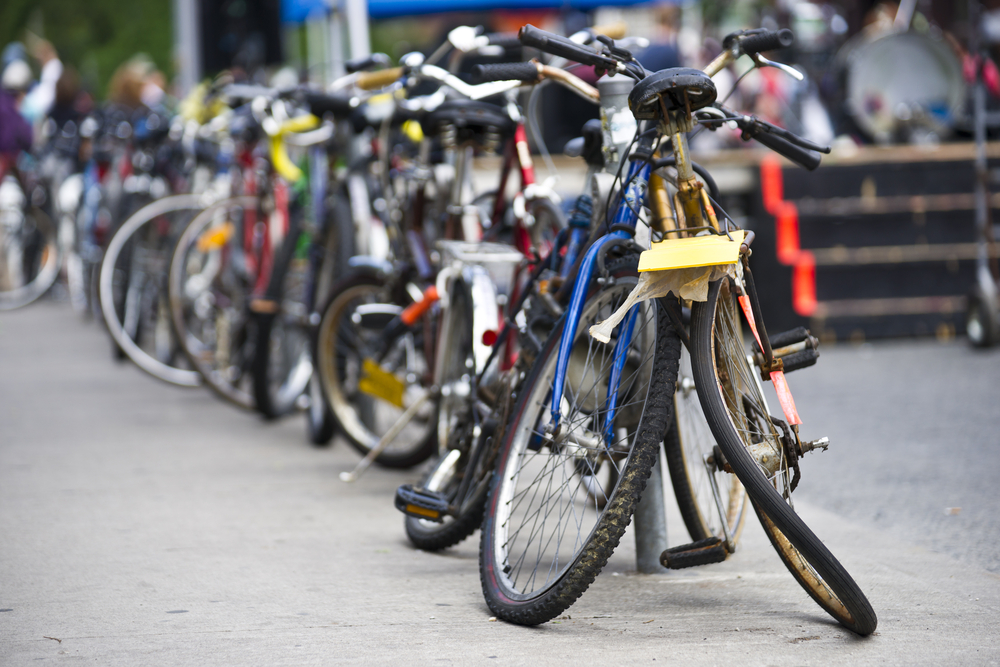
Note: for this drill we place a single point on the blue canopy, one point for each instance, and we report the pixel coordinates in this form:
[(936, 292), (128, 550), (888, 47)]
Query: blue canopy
[(379, 9), (297, 11)]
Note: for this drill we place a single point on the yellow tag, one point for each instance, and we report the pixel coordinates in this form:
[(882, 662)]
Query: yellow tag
[(215, 238), (412, 129), (381, 383), (708, 250)]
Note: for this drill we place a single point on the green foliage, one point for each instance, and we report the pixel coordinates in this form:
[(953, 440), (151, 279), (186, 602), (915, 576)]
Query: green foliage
[(94, 35)]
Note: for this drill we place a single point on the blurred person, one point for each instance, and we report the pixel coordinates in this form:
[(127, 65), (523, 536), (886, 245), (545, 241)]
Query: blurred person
[(15, 130), (66, 106), (128, 82), (39, 100), (662, 51)]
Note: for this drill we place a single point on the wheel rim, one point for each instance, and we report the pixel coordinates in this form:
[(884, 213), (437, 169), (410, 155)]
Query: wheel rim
[(547, 508), (209, 288), (159, 358), (15, 292), (742, 394), (696, 445), (343, 346)]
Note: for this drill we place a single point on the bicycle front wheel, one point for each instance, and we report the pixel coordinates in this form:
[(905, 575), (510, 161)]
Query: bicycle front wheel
[(732, 398), (550, 526)]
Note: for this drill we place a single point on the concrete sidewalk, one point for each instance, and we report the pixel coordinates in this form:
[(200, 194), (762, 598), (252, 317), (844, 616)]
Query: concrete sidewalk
[(142, 524)]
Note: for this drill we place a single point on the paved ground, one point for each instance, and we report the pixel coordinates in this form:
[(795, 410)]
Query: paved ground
[(142, 524)]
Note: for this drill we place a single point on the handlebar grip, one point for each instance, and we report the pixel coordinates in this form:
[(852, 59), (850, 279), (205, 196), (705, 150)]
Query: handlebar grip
[(527, 72), (800, 156), (767, 41), (507, 40), (560, 46), (615, 30), (321, 103), (366, 63), (376, 80)]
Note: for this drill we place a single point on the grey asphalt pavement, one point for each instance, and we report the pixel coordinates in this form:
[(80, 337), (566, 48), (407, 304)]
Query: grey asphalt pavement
[(142, 524)]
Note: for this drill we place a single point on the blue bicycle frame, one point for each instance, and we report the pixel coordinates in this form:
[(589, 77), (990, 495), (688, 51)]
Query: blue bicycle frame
[(627, 215)]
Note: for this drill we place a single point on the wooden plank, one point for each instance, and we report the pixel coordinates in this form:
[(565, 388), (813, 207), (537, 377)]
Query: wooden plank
[(898, 254), (842, 206), (881, 307)]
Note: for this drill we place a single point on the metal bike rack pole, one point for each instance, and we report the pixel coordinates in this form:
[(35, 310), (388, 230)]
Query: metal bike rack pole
[(651, 524)]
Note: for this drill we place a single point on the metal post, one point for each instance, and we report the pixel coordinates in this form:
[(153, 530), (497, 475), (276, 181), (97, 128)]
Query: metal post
[(651, 524), (357, 27), (336, 44), (187, 45)]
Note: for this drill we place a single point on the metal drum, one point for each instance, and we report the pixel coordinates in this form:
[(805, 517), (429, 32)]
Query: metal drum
[(903, 87)]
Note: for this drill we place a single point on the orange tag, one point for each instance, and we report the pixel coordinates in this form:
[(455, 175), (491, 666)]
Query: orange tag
[(785, 397), (748, 312), (777, 377)]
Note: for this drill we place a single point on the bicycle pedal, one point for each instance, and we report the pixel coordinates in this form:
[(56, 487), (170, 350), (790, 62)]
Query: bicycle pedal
[(796, 348), (702, 552), (421, 504)]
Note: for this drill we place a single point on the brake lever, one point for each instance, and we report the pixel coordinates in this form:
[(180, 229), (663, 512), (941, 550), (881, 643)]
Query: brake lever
[(616, 52), (761, 61)]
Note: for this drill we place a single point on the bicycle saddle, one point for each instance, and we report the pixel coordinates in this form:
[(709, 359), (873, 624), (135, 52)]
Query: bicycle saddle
[(671, 84), (468, 115)]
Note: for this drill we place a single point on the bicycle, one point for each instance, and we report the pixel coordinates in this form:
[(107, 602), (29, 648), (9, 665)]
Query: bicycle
[(531, 568)]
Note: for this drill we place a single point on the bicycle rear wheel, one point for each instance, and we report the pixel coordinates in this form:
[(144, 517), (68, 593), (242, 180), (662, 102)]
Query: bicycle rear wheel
[(368, 395), (756, 448), (711, 502), (548, 532), (133, 288)]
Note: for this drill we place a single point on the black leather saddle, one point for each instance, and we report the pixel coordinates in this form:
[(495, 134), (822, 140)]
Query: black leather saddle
[(469, 117), (672, 85)]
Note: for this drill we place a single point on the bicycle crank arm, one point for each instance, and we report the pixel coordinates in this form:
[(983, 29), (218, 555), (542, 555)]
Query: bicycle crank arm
[(390, 435)]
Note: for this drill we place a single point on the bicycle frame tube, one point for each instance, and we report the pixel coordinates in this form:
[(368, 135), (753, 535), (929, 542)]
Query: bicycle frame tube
[(627, 214), (617, 366)]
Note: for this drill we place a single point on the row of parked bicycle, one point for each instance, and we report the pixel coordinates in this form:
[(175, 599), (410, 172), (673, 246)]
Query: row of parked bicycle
[(326, 252)]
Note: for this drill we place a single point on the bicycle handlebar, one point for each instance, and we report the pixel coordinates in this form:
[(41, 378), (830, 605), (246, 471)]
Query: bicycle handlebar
[(376, 80), (341, 106), (804, 158), (526, 72), (507, 40), (366, 63), (752, 43), (549, 42)]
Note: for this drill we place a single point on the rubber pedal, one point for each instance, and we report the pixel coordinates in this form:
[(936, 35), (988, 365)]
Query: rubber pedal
[(801, 359), (421, 504), (702, 552), (786, 338)]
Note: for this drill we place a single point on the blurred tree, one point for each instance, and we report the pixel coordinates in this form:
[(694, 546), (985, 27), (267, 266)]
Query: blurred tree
[(94, 35)]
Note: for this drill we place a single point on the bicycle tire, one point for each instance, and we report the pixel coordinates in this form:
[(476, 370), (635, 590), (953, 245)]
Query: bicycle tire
[(337, 249), (49, 260), (340, 351), (687, 444), (645, 414), (184, 377), (719, 355), (225, 371), (282, 362), (456, 434)]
